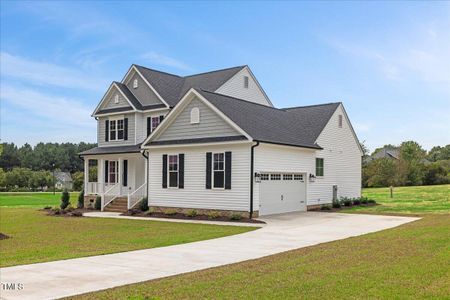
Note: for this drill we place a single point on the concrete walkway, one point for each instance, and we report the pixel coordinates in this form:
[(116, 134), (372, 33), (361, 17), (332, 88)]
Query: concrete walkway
[(282, 233), (116, 215)]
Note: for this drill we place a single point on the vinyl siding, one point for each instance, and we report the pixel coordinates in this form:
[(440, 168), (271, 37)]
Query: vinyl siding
[(235, 88), (131, 131), (211, 124), (342, 162), (109, 100), (194, 194), (143, 93), (141, 132), (278, 158)]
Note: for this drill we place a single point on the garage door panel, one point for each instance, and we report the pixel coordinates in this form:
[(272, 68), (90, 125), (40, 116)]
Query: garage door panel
[(282, 192)]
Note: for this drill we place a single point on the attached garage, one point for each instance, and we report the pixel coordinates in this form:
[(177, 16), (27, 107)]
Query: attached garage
[(282, 192)]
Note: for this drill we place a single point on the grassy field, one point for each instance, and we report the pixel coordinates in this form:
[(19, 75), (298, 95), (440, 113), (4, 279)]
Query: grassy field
[(409, 200), (39, 200), (407, 262), (36, 237)]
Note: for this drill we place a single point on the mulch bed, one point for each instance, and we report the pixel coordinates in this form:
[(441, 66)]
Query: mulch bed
[(181, 216), (4, 236), (331, 209), (68, 212)]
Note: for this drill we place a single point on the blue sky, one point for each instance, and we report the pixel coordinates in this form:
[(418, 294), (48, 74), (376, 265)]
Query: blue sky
[(389, 62)]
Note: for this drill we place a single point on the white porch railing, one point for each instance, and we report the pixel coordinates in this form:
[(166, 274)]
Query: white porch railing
[(110, 194), (137, 195), (95, 188)]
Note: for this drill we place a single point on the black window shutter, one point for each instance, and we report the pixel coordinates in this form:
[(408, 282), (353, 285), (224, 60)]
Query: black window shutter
[(228, 170), (125, 173), (125, 129), (106, 130), (149, 125), (161, 118), (208, 170), (181, 171), (164, 171), (106, 171)]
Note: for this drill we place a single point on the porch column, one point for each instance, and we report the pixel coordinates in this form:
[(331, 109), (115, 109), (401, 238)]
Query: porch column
[(86, 175), (101, 176), (146, 170), (120, 175)]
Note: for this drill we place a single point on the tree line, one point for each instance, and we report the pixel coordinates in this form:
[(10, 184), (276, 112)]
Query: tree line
[(411, 166)]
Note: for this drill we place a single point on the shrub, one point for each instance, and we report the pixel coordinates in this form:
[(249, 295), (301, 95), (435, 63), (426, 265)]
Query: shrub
[(65, 199), (364, 200), (356, 201), (235, 216), (191, 213), (336, 203), (80, 203), (346, 201), (47, 207), (170, 212), (213, 215), (371, 201), (325, 207), (144, 204), (98, 203)]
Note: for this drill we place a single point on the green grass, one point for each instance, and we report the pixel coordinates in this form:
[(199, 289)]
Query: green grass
[(36, 237), (38, 199), (410, 200), (407, 262)]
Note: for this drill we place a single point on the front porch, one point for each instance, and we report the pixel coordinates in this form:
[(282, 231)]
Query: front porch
[(119, 179)]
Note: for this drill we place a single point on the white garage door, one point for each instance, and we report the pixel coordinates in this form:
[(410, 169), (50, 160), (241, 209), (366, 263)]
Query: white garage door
[(281, 193)]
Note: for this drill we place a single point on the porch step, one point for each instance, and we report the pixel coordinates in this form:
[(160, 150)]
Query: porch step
[(120, 204)]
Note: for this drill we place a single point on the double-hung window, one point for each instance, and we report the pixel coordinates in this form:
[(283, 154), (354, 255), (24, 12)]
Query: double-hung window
[(116, 130), (155, 122), (120, 129), (219, 170), (173, 171), (112, 171), (319, 166)]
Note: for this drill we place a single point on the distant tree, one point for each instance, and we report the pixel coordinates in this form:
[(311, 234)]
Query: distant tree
[(2, 178), (9, 157), (18, 177), (411, 160), (439, 153), (437, 173), (383, 172), (78, 180)]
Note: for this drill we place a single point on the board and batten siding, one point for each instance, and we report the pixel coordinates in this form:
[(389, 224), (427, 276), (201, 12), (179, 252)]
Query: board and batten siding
[(281, 159), (143, 92), (110, 100), (195, 194), (101, 131), (211, 124), (342, 162), (235, 88)]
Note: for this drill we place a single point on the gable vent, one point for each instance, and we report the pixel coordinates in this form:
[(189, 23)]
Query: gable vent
[(246, 82), (195, 115), (135, 84)]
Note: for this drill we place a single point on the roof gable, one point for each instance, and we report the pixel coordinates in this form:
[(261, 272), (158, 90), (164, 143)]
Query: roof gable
[(120, 93)]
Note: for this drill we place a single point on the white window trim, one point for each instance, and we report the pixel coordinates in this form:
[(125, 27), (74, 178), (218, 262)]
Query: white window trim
[(323, 167), (115, 120), (246, 82), (151, 123), (195, 115), (212, 171), (135, 83), (116, 168), (168, 171), (116, 98)]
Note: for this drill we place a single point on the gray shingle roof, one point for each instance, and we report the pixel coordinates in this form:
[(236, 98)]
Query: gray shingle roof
[(173, 87), (299, 126), (112, 150), (63, 176), (129, 95)]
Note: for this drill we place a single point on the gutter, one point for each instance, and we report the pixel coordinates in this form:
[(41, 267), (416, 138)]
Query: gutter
[(252, 160), (148, 168)]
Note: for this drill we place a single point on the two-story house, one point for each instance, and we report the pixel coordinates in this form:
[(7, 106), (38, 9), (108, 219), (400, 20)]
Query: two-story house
[(214, 141)]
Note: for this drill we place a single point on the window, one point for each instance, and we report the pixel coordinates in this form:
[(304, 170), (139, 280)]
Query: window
[(112, 172), (135, 84), (275, 176), (116, 98), (195, 115), (155, 122), (264, 176), (319, 166), (219, 170), (298, 177), (287, 176), (246, 82), (340, 121), (116, 130), (173, 170)]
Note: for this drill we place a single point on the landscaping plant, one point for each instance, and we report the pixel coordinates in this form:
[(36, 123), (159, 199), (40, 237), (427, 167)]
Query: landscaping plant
[(336, 203), (65, 199), (191, 213), (144, 204), (98, 203), (235, 216), (81, 200)]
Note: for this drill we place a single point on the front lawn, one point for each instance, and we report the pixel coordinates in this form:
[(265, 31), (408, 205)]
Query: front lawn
[(412, 200), (406, 262), (36, 237), (37, 199)]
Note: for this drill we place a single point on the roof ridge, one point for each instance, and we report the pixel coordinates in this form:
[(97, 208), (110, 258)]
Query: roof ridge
[(213, 71), (312, 105), (162, 72), (246, 101)]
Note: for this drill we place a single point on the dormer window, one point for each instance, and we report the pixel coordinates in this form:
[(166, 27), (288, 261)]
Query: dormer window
[(246, 82), (340, 121), (116, 98), (195, 115), (135, 84)]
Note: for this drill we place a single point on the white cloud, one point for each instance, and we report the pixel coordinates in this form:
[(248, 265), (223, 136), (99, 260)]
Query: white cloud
[(163, 60), (43, 73)]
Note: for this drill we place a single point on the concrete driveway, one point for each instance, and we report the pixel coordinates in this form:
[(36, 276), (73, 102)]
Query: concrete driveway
[(282, 233)]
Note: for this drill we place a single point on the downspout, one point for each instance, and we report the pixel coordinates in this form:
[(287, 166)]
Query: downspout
[(148, 167), (252, 159)]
